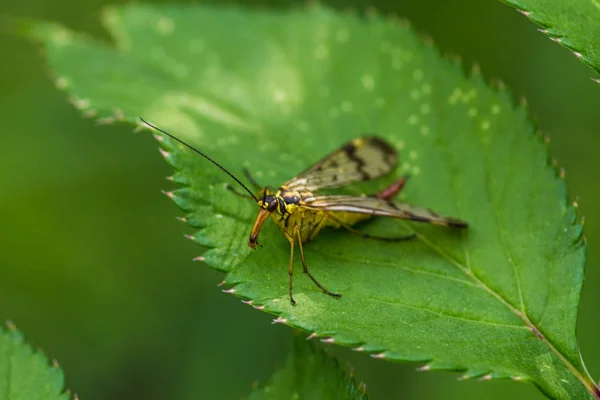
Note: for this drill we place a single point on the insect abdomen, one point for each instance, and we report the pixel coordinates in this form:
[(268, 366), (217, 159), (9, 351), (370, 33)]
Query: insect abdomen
[(345, 217)]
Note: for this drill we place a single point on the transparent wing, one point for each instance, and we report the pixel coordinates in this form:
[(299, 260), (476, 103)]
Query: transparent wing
[(360, 159), (379, 207)]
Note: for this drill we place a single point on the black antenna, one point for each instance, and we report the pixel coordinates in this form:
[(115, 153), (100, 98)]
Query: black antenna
[(203, 155)]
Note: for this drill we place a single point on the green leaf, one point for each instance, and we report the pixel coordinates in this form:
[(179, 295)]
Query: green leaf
[(274, 92), (26, 374), (575, 24), (310, 373)]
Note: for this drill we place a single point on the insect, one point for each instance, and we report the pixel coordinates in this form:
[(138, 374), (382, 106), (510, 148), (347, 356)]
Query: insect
[(301, 213)]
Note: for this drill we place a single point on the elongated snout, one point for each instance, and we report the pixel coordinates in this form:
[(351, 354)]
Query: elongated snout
[(260, 220)]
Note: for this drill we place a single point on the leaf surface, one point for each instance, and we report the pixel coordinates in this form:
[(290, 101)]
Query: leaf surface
[(276, 91)]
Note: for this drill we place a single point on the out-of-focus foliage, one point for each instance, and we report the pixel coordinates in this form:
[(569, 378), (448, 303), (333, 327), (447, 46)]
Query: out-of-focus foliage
[(26, 374), (574, 24), (311, 374), (92, 266)]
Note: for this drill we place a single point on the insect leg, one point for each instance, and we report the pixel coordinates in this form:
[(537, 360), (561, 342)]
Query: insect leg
[(305, 267), (251, 179), (234, 191), (389, 192), (318, 227), (291, 266), (367, 236)]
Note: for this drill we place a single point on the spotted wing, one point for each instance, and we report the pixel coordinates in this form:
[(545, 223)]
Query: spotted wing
[(379, 207), (358, 160)]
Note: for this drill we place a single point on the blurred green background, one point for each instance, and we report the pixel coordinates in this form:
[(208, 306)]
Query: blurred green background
[(94, 267)]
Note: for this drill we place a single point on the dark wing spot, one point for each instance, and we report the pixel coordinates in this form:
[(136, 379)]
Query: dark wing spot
[(390, 155), (350, 150), (417, 218), (456, 223), (382, 145)]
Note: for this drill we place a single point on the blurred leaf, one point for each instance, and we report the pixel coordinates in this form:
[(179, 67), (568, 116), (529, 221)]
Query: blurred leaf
[(310, 374), (274, 92), (25, 374), (575, 24)]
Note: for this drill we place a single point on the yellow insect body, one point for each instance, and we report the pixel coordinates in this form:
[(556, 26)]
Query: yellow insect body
[(301, 213), (289, 215)]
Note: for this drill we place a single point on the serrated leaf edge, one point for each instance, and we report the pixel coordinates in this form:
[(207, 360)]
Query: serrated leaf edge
[(581, 54)]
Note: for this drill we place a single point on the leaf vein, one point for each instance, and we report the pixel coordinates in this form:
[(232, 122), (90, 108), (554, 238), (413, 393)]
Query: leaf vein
[(450, 316), (501, 231), (415, 270)]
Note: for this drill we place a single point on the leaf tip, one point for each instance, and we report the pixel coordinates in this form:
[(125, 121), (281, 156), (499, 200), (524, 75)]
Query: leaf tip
[(328, 340), (378, 355), (523, 101), (362, 387), (79, 103), (456, 59), (546, 139), (311, 336), (201, 258), (555, 39), (229, 291), (62, 83), (105, 120), (91, 113), (279, 320), (427, 40), (11, 325), (118, 114), (163, 152), (498, 84)]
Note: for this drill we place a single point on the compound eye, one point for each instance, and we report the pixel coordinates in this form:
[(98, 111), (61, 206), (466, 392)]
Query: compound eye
[(272, 205)]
